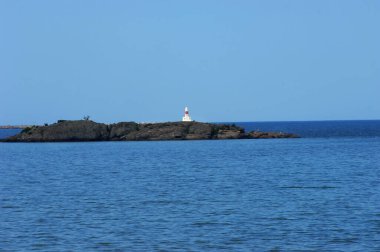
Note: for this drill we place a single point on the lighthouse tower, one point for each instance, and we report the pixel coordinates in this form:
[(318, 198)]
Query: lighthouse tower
[(186, 117)]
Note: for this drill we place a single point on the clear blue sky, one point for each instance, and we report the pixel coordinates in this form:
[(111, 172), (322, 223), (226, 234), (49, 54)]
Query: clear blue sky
[(227, 60)]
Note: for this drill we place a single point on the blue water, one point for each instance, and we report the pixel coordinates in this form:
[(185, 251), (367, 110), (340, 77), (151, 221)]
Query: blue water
[(361, 128), (4, 133), (307, 194)]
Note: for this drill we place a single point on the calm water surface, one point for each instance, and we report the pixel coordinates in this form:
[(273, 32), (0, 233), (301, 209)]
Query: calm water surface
[(309, 194)]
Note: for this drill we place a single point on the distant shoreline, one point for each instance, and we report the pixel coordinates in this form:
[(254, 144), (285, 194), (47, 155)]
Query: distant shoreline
[(14, 126)]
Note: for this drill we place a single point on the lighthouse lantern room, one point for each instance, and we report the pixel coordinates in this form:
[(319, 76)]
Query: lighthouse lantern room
[(186, 117)]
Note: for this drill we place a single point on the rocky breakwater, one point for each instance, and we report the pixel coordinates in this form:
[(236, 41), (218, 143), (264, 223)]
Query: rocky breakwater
[(85, 130)]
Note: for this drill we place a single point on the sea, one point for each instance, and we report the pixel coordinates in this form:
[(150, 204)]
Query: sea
[(320, 192)]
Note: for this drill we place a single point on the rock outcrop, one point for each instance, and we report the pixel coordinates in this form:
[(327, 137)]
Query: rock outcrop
[(85, 130), (64, 131), (261, 135)]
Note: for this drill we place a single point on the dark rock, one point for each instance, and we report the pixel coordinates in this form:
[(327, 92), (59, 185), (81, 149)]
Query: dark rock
[(230, 132), (200, 131), (160, 131), (120, 130), (263, 135), (85, 130), (64, 131)]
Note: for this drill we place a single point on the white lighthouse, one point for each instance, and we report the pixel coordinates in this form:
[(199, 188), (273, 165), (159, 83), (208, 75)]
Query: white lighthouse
[(186, 117)]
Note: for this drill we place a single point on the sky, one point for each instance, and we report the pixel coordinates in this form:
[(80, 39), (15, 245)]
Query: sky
[(228, 61)]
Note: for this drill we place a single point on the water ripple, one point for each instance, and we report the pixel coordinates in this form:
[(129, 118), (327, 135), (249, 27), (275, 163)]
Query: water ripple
[(285, 195)]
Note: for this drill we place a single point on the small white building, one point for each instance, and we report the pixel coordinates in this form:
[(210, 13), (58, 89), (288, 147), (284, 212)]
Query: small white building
[(186, 117)]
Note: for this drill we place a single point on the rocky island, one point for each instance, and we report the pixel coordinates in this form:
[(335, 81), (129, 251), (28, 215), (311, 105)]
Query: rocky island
[(86, 130)]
